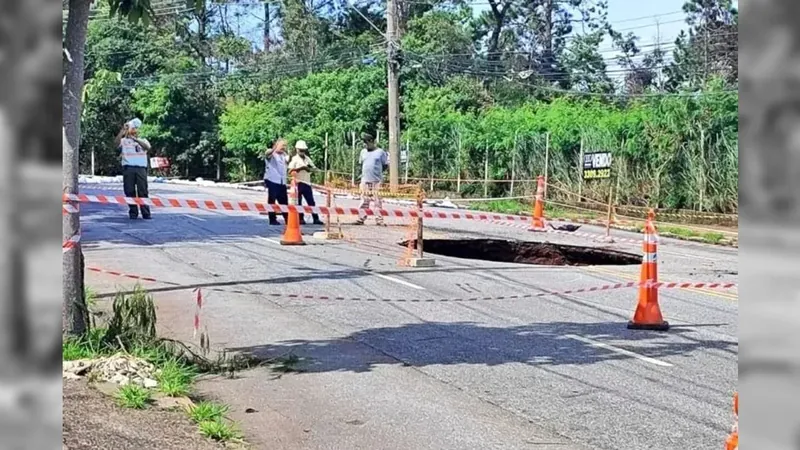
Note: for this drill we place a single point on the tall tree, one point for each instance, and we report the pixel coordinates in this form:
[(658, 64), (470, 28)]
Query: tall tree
[(74, 320), (710, 48)]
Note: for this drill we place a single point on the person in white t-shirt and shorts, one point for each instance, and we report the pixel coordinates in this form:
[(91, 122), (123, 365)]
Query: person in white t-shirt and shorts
[(374, 162)]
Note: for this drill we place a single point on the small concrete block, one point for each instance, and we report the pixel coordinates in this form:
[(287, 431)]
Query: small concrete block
[(327, 236), (421, 262)]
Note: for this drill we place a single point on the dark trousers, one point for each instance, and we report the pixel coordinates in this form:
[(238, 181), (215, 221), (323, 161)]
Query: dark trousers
[(134, 183), (276, 193), (304, 191)]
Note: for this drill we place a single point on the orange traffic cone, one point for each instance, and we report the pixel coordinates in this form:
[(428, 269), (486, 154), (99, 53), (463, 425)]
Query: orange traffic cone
[(732, 442), (537, 223), (292, 234), (648, 312)]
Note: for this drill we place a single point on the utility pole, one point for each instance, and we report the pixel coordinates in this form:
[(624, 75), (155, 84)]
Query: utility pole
[(393, 69), (266, 27)]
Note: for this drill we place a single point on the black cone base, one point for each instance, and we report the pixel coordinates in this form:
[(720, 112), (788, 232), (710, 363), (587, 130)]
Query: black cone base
[(663, 326)]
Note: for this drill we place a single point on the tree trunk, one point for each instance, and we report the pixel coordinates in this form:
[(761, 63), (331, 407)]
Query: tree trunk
[(74, 315)]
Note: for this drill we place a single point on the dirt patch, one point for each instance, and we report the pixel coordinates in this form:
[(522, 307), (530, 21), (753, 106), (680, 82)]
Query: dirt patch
[(91, 420), (524, 252)]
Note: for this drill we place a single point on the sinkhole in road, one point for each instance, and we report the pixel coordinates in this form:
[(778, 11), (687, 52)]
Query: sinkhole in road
[(526, 252)]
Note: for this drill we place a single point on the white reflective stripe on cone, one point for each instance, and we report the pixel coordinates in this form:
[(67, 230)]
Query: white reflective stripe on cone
[(650, 258)]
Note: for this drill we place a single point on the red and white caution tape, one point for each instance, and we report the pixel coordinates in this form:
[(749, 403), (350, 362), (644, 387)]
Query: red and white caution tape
[(69, 208), (132, 277), (544, 293), (224, 205), (197, 308), (71, 243)]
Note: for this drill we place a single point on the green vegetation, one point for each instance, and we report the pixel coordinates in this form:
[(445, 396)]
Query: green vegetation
[(207, 412), (219, 430), (133, 396), (516, 207), (212, 102), (176, 377), (132, 329)]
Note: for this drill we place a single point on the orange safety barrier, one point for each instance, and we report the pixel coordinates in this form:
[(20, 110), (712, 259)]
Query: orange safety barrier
[(732, 442), (648, 312), (292, 234), (537, 222)]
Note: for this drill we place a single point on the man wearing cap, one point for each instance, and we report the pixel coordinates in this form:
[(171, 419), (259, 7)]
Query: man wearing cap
[(133, 156), (302, 166)]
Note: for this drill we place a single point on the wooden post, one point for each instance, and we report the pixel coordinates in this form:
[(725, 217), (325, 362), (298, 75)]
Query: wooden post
[(325, 163), (701, 186), (328, 202), (458, 166), (580, 173), (353, 159), (408, 161), (93, 166), (513, 163), (420, 239), (610, 210), (486, 174), (430, 157), (547, 163)]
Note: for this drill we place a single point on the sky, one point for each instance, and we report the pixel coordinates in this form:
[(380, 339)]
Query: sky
[(652, 20)]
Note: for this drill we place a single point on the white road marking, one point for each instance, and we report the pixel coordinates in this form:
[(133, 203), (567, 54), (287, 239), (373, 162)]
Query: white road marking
[(621, 351), (194, 217), (399, 281), (270, 240)]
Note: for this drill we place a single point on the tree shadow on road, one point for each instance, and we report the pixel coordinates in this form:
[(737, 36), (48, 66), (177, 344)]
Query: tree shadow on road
[(453, 343)]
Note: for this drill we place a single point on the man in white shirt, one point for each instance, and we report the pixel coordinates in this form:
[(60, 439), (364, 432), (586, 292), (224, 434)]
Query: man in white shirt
[(374, 161), (275, 161), (133, 156), (302, 166)]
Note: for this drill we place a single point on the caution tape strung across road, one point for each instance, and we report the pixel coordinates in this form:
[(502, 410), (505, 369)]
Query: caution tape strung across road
[(225, 205), (544, 293)]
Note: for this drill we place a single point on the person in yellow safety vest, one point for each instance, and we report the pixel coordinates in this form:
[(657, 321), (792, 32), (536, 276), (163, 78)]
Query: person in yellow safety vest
[(302, 166), (133, 156)]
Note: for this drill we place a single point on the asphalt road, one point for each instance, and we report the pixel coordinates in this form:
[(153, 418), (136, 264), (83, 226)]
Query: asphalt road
[(555, 372)]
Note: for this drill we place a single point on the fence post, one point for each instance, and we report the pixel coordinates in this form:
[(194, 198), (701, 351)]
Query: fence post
[(486, 174), (547, 162), (580, 172), (430, 157), (458, 165), (353, 159), (513, 163), (419, 221), (408, 160), (325, 162)]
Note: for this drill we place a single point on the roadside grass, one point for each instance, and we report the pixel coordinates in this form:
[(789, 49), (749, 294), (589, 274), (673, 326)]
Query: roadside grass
[(206, 411), (220, 430), (686, 233), (516, 207), (131, 329), (134, 396)]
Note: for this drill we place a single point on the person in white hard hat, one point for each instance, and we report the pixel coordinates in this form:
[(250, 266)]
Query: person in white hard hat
[(302, 166), (133, 156)]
